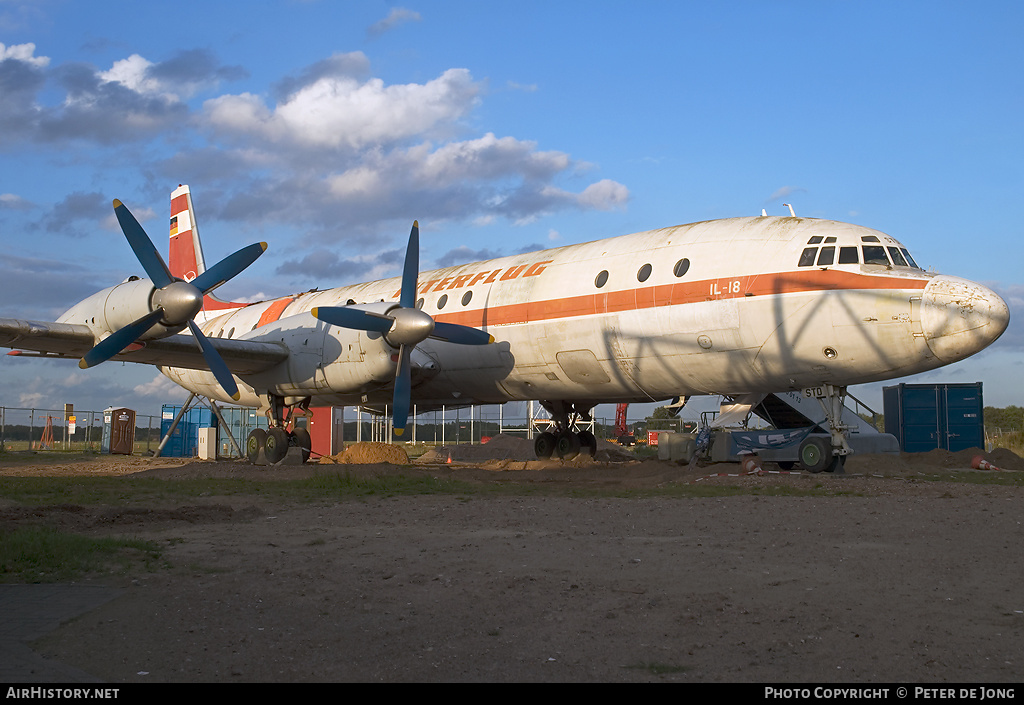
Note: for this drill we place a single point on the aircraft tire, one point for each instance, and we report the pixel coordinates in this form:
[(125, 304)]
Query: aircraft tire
[(588, 443), (567, 445), (254, 444), (276, 446), (816, 454), (544, 445), (303, 441)]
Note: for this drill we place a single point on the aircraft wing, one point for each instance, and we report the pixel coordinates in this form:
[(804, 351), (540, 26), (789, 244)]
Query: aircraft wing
[(72, 341)]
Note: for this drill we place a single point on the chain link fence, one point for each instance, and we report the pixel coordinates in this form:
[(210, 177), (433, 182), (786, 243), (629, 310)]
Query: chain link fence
[(29, 428)]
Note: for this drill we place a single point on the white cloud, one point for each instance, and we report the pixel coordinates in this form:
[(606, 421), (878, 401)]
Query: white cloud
[(23, 52), (344, 112), (397, 16), (786, 192), (12, 201), (160, 387), (605, 195), (131, 73)]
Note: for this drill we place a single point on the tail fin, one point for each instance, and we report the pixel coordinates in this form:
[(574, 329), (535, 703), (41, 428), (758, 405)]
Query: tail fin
[(186, 252), (185, 258)]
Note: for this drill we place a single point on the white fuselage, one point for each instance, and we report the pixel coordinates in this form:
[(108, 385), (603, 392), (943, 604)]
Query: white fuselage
[(720, 307)]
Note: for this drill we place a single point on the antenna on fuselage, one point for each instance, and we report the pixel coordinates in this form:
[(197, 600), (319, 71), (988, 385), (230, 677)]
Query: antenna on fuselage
[(791, 213)]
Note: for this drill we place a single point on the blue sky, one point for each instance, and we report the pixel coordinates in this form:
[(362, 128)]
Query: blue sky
[(325, 128)]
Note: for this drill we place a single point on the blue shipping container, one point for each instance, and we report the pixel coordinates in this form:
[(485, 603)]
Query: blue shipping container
[(928, 416), (184, 442)]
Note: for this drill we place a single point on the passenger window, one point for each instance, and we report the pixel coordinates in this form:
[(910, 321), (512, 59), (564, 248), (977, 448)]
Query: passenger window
[(897, 258), (644, 273), (682, 266), (848, 255), (466, 297), (807, 257), (875, 254), (442, 301), (602, 279), (827, 256)]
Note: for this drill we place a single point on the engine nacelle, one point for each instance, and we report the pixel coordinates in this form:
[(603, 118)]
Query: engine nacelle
[(114, 308), (323, 359)]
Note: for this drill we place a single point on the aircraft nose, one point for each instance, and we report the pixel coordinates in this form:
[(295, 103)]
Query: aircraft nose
[(960, 317)]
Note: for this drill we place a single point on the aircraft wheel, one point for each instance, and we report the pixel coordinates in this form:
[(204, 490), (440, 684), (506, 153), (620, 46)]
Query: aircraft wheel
[(567, 445), (816, 454), (544, 445), (302, 440), (276, 445), (588, 443), (254, 443)]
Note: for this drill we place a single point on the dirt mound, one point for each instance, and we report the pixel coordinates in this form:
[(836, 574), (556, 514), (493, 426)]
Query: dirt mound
[(500, 447), (1002, 458), (1005, 459), (368, 453), (505, 447), (933, 460)]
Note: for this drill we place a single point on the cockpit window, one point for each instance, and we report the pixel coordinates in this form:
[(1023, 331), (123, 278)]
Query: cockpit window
[(910, 259), (897, 257), (848, 255), (875, 254), (815, 240), (807, 257), (827, 256)]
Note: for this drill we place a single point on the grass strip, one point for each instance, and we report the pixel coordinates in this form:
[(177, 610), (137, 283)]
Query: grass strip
[(41, 554)]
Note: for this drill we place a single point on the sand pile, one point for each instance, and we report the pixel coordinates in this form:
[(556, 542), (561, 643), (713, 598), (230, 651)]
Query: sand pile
[(368, 453)]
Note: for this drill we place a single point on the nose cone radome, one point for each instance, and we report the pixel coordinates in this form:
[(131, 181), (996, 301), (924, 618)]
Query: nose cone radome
[(960, 317)]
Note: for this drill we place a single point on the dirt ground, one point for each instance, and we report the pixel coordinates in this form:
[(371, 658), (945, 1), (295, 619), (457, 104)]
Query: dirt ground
[(894, 576)]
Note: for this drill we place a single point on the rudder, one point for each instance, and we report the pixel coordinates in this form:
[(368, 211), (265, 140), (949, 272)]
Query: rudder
[(185, 251)]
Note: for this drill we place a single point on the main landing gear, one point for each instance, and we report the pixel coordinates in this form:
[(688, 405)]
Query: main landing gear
[(565, 442), (283, 440)]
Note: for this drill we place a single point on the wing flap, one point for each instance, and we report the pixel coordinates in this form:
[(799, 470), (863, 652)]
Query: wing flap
[(71, 341)]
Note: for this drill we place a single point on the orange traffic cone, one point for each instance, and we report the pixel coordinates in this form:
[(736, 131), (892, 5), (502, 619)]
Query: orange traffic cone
[(979, 463), (751, 464)]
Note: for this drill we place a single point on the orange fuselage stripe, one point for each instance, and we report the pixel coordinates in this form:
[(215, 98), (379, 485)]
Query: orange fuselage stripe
[(677, 294), (274, 311)]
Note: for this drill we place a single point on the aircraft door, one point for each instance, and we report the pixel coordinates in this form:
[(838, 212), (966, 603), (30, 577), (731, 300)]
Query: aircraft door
[(915, 317)]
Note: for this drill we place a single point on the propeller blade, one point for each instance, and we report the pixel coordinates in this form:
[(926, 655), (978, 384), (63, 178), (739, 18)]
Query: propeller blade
[(411, 270), (146, 253), (119, 340), (461, 335), (403, 390), (228, 267), (215, 362), (346, 317)]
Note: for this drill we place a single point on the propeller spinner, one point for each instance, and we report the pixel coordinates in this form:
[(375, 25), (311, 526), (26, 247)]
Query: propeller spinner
[(404, 327), (176, 302)]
